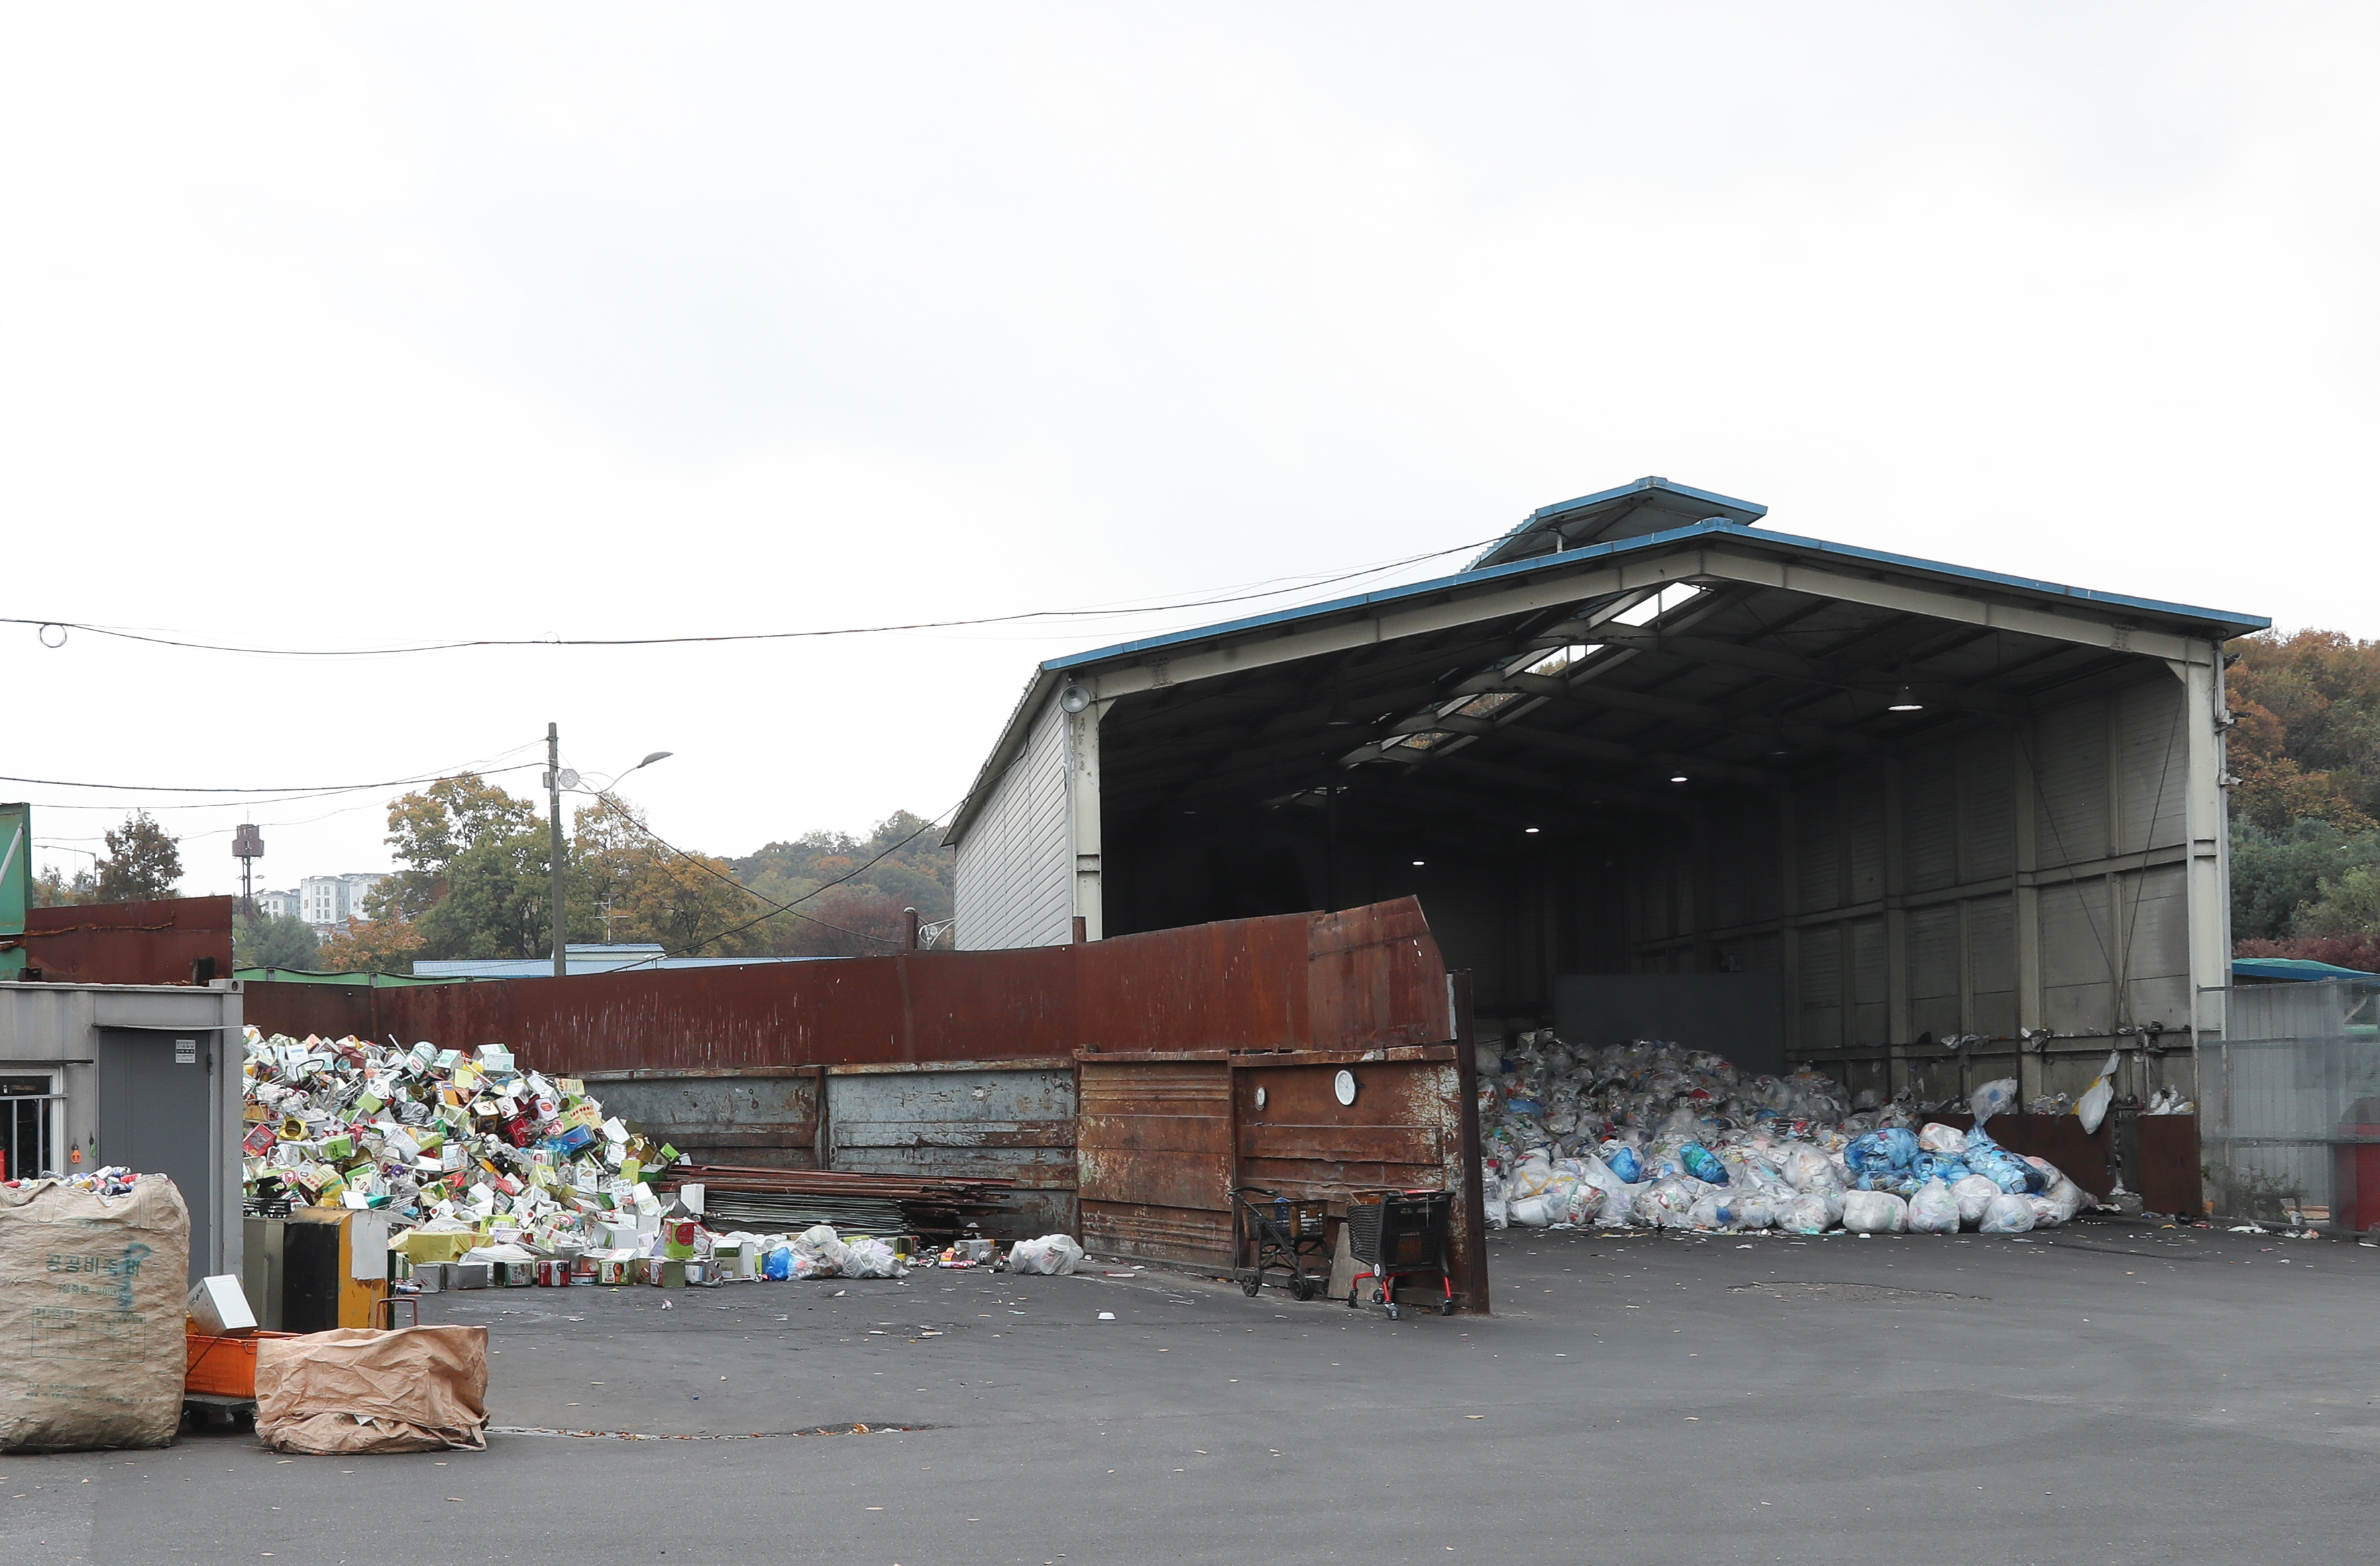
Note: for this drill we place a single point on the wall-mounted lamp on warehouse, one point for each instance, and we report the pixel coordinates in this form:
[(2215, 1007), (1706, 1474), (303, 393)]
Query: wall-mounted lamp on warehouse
[(1905, 700), (1073, 699)]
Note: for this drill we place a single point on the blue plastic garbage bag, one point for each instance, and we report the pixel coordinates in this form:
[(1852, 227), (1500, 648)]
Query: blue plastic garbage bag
[(1703, 1164), (1876, 1151), (1900, 1181), (1947, 1168), (1624, 1164), (778, 1265), (2002, 1168)]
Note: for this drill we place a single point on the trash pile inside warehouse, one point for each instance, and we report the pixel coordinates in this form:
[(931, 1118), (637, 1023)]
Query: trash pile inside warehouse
[(1654, 1135), (499, 1175)]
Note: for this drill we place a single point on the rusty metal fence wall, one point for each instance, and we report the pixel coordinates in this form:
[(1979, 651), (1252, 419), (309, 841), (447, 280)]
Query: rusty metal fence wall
[(1364, 977), (967, 1062), (1164, 1139)]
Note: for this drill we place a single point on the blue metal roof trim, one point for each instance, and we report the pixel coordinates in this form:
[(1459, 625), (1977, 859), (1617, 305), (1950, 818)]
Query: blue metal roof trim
[(1469, 579)]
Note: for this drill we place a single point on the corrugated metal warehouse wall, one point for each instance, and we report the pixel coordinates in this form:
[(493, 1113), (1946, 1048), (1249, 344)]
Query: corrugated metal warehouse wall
[(2031, 875), (1015, 872)]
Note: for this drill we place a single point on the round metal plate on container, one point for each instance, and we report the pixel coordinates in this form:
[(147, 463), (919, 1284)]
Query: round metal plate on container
[(1344, 1087), (1260, 1098)]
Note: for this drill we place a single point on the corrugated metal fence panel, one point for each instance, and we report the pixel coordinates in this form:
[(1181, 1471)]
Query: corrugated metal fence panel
[(153, 943), (2069, 750), (1929, 814), (2151, 766), (1375, 979), (1014, 876), (963, 1122), (1987, 805), (765, 1121), (1244, 984), (1991, 965), (1153, 1144), (1822, 987), (2074, 957), (1819, 849), (334, 1011), (1934, 937), (1234, 985), (1402, 1131)]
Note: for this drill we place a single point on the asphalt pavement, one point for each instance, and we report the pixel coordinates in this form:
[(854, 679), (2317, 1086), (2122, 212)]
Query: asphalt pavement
[(2109, 1392)]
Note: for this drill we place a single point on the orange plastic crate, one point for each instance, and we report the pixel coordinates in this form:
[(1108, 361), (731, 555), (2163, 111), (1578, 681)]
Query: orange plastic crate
[(225, 1366)]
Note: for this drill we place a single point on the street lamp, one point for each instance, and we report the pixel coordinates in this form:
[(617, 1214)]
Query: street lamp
[(556, 779)]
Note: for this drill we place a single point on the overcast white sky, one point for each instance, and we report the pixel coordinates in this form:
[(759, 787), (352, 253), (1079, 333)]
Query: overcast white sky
[(337, 326)]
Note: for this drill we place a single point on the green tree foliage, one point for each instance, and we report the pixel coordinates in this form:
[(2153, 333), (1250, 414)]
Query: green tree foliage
[(474, 884), (261, 942), (141, 862), (2306, 750), (52, 890), (429, 830), (861, 915), (690, 903)]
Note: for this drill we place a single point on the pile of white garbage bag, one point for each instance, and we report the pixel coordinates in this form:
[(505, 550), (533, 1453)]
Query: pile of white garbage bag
[(1653, 1136)]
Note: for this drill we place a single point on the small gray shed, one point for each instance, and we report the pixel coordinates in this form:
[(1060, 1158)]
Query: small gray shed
[(145, 1076)]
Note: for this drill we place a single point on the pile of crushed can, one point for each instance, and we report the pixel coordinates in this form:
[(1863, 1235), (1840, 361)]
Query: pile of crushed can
[(1654, 1135), (498, 1177), (429, 1134)]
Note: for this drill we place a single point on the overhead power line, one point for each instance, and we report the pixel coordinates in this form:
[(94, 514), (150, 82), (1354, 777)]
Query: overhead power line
[(45, 627)]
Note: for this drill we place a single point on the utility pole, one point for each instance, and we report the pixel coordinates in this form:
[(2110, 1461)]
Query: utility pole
[(554, 802)]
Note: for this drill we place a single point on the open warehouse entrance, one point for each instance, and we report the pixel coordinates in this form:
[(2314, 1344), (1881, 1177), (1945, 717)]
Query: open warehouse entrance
[(1650, 766)]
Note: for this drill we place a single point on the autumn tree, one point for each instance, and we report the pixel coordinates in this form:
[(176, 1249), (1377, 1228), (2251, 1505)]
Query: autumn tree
[(52, 889), (689, 903), (856, 890), (383, 945), (2306, 751), (141, 863)]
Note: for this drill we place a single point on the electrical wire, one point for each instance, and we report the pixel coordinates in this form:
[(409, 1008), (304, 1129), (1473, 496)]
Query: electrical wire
[(43, 627), (775, 908), (294, 791)]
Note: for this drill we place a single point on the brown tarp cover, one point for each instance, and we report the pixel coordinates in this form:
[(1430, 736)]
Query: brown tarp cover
[(91, 1316), (354, 1389)]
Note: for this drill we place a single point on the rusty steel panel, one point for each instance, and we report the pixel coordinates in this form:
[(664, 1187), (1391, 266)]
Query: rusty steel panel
[(155, 943), (2169, 1177), (1154, 1148), (1237, 985), (1406, 1130), (765, 1121), (333, 1010), (954, 1124), (1244, 984), (1374, 977)]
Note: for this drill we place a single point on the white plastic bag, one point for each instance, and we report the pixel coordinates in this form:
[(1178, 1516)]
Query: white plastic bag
[(1539, 1212), (1992, 1098), (1052, 1255), (2092, 1107), (1938, 1137), (2008, 1215), (1807, 1169), (866, 1257), (1805, 1215), (1973, 1192), (1597, 1175), (825, 1249), (1874, 1212), (1933, 1210)]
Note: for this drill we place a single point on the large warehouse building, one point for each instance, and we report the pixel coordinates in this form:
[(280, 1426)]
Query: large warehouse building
[(1888, 799)]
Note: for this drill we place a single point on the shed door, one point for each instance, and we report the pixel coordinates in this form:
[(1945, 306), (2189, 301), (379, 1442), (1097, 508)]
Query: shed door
[(154, 1089)]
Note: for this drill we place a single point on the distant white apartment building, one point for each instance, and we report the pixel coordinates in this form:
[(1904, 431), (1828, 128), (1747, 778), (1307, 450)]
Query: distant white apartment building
[(278, 904), (330, 903)]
